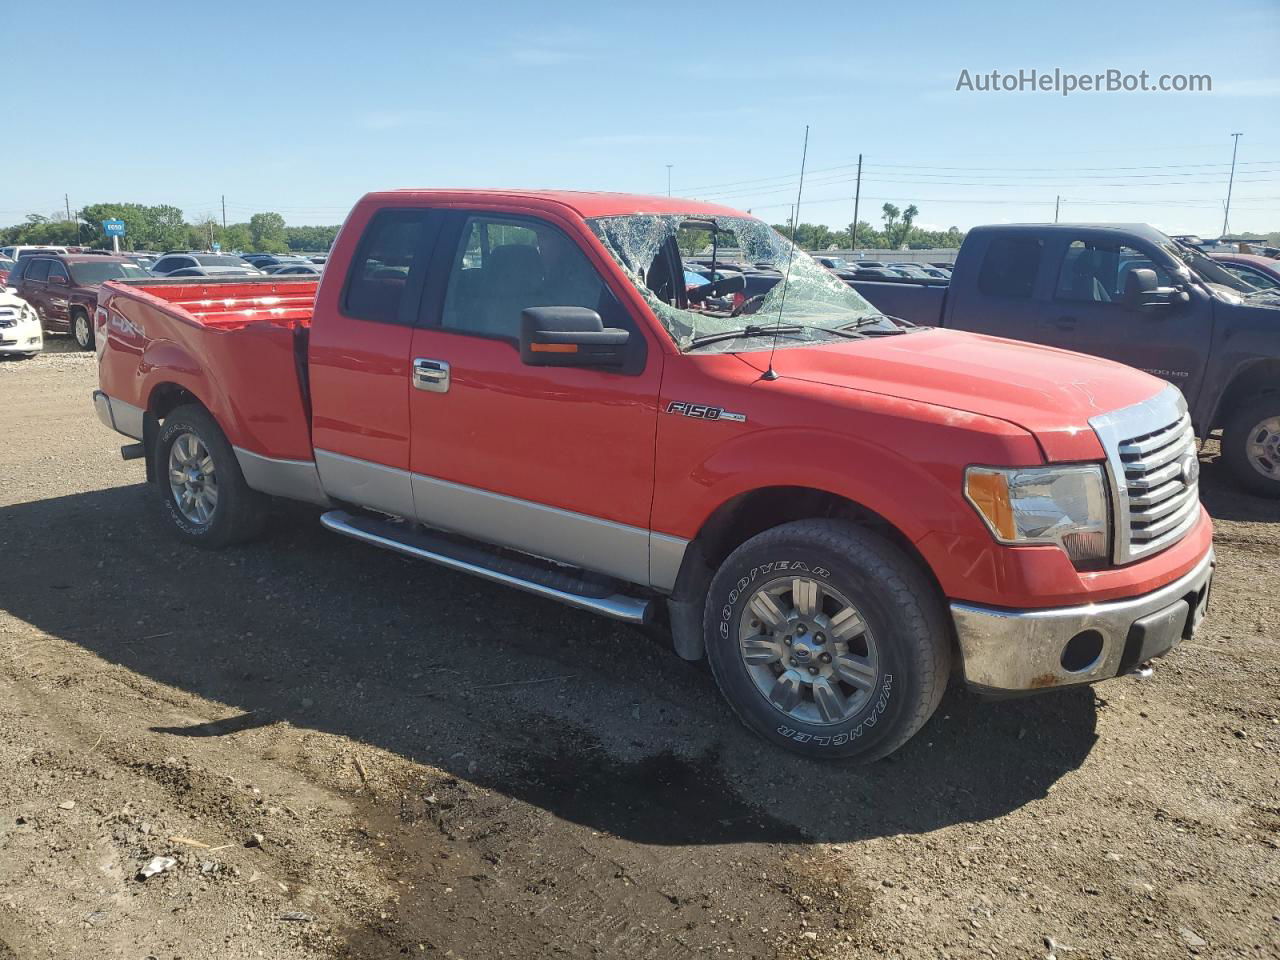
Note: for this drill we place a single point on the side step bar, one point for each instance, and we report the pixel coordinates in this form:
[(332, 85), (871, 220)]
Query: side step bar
[(529, 576)]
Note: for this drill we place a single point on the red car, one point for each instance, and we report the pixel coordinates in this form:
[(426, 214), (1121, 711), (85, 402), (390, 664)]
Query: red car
[(832, 507), (63, 288), (1261, 272)]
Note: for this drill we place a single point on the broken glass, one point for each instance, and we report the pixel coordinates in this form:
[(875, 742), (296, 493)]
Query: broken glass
[(811, 297)]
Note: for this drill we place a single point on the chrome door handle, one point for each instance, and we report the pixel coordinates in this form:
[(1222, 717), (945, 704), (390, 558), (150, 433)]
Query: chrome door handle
[(432, 375)]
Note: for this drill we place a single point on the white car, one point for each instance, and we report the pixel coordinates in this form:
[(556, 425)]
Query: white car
[(13, 253), (19, 327)]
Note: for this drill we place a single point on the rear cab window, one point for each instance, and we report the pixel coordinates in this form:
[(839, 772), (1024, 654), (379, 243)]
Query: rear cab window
[(1010, 267), (388, 262)]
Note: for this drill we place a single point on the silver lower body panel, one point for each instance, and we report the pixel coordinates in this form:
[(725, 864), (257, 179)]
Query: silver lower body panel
[(1016, 651), (119, 416)]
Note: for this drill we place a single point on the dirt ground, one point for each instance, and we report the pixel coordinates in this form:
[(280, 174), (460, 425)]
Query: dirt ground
[(349, 754)]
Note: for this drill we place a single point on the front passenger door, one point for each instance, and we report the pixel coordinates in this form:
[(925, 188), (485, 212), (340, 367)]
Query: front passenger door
[(1089, 314), (34, 286), (556, 461), (58, 296)]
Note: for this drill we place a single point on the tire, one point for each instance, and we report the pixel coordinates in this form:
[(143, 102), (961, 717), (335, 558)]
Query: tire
[(82, 329), (237, 512), (900, 660), (1251, 443)]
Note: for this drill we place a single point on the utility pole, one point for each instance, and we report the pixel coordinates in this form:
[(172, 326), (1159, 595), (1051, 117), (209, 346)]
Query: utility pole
[(1226, 213), (857, 195), (224, 211), (67, 200), (668, 179), (1057, 202)]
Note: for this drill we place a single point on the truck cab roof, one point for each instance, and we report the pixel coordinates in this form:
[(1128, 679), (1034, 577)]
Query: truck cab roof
[(584, 203)]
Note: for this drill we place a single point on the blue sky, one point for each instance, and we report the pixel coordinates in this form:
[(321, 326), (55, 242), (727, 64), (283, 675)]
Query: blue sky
[(300, 108)]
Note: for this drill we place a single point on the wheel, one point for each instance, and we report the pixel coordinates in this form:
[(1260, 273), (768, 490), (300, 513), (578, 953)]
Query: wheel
[(1251, 444), (826, 640), (82, 329), (203, 495)]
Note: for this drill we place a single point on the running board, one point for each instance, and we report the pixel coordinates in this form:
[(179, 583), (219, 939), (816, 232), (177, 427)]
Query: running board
[(527, 575)]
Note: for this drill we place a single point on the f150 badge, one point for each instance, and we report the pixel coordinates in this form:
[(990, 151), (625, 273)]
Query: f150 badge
[(700, 411)]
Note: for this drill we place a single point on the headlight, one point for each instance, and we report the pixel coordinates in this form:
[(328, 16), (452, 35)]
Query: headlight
[(1066, 506)]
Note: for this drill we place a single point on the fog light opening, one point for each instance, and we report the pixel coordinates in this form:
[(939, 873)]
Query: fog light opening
[(1082, 651)]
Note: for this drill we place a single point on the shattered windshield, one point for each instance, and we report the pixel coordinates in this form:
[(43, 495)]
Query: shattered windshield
[(813, 305)]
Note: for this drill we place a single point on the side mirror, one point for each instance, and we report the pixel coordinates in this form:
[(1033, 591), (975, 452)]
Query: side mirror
[(570, 337), (58, 279), (1142, 291)]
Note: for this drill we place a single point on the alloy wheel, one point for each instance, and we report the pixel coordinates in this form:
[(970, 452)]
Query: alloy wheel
[(192, 478), (1263, 448), (808, 650)]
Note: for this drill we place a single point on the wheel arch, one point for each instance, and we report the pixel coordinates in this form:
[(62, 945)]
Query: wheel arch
[(162, 399), (1260, 376), (749, 513)]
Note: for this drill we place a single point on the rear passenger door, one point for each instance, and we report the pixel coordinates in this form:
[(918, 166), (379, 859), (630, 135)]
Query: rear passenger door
[(554, 461), (995, 295), (359, 360)]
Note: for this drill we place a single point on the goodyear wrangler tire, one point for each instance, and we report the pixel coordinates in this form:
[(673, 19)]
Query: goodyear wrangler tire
[(826, 640), (203, 496)]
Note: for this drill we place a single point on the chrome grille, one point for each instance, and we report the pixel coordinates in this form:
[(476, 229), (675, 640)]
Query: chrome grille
[(1163, 486), (1154, 472)]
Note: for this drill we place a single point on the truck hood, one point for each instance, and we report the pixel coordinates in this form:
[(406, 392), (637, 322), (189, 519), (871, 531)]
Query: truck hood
[(1050, 393)]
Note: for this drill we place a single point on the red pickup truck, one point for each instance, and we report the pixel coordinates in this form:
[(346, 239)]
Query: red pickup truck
[(830, 505)]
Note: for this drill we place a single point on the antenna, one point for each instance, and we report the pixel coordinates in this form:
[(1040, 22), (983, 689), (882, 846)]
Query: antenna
[(772, 374)]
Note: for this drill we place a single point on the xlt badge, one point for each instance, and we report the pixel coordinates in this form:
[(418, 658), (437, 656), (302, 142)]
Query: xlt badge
[(700, 411)]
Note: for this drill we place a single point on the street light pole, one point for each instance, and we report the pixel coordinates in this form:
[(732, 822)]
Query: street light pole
[(1226, 213), (668, 179)]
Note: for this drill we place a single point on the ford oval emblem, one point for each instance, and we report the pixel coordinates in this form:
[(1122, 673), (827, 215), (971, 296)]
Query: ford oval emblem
[(1190, 466)]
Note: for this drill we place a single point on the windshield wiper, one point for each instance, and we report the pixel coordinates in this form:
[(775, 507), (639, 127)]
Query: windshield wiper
[(759, 329), (874, 318), (750, 330)]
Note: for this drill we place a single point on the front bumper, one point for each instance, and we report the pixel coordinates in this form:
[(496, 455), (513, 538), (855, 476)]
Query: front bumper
[(24, 336), (1017, 651)]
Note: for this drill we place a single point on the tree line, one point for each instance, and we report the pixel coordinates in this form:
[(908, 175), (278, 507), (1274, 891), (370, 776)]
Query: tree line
[(163, 227), (899, 231)]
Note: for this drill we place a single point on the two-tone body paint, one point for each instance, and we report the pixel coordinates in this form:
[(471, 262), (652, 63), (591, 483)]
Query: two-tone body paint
[(889, 424)]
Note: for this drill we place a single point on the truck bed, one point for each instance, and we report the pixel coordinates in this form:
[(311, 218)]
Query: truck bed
[(237, 345), (231, 303)]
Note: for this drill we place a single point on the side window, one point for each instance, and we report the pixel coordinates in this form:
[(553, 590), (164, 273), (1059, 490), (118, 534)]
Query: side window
[(379, 275), (504, 265), (1097, 271), (57, 270), (37, 270), (163, 265), (1010, 267)]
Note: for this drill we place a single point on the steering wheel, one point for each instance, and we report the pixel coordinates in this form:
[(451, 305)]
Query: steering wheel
[(749, 306)]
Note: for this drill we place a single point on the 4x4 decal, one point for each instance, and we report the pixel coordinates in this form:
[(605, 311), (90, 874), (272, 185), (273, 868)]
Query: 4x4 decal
[(700, 411)]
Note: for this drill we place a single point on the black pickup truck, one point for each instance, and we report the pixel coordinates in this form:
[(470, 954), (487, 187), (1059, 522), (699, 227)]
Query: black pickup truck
[(1129, 293)]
